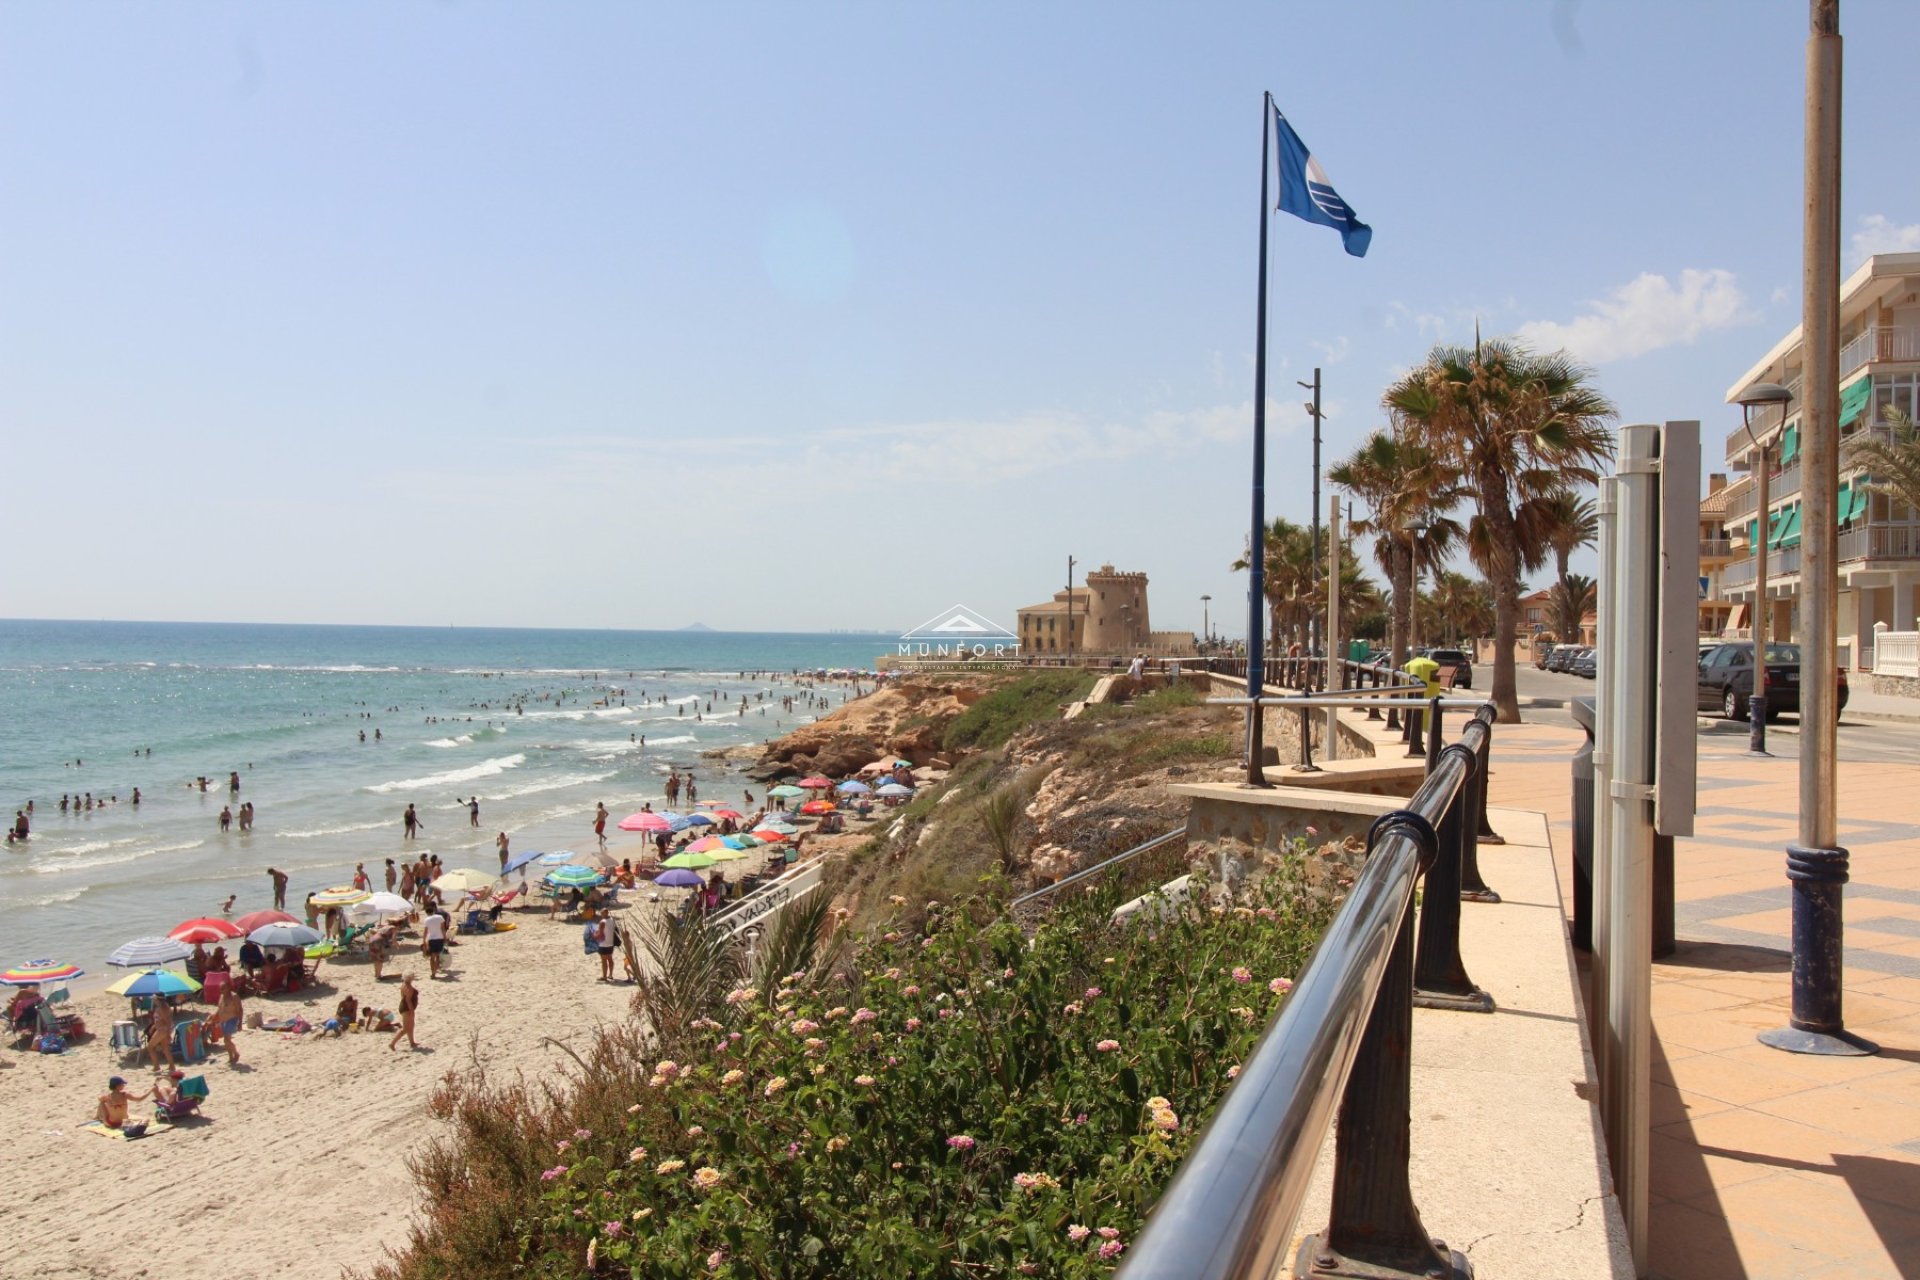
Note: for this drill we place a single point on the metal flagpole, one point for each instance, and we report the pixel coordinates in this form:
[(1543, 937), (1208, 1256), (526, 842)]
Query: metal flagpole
[(1256, 547)]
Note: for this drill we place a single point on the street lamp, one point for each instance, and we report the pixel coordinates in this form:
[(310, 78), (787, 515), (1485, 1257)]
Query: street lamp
[(1206, 625), (1758, 396), (1313, 411)]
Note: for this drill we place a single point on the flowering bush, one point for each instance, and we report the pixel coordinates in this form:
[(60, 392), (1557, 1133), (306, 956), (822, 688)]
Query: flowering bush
[(964, 1102)]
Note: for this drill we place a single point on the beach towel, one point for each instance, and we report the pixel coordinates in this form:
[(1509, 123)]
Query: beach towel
[(146, 1129)]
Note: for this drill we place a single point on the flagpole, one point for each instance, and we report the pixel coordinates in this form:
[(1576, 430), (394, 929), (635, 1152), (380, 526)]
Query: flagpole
[(1256, 546)]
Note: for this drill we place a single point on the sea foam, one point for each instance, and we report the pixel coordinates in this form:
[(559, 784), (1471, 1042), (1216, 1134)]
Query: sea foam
[(485, 769)]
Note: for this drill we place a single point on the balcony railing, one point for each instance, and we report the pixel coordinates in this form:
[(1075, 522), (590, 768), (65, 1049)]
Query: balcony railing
[(1781, 561), (1715, 548), (1880, 542), (1876, 342)]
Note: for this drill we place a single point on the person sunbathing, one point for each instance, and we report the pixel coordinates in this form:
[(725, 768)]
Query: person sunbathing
[(112, 1110)]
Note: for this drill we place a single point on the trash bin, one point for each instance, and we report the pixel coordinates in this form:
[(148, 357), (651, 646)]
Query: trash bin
[(1583, 715)]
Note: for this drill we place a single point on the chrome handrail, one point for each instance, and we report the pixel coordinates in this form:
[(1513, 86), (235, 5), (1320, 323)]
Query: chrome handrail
[(1176, 834)]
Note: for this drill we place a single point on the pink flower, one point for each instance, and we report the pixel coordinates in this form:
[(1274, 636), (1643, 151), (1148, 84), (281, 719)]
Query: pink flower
[(960, 1142), (637, 1155), (1313, 831), (805, 1027), (947, 1012), (1111, 1250), (557, 1171), (1240, 974), (914, 1024), (774, 1086), (694, 1131), (1073, 1007), (1107, 1046), (1109, 1233), (865, 1082), (1077, 1233), (581, 1135), (715, 1259), (1093, 993), (614, 1228), (1233, 1072), (707, 1178), (561, 1145), (864, 1015), (1280, 986), (910, 991), (893, 975)]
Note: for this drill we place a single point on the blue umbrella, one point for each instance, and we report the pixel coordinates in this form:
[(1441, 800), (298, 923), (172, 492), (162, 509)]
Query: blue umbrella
[(520, 860), (853, 788), (557, 858), (699, 820), (679, 879), (143, 952), (575, 877)]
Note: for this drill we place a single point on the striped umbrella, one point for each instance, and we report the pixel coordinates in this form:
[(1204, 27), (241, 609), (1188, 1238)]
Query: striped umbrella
[(35, 972), (815, 783), (206, 929), (688, 861), (154, 982), (144, 952), (740, 842), (851, 787), (575, 877), (706, 844), (341, 895), (292, 934), (776, 826)]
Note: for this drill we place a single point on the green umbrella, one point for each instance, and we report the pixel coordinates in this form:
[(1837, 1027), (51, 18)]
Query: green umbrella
[(688, 861), (575, 877), (787, 791)]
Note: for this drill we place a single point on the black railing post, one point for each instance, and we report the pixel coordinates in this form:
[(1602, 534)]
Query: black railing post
[(1374, 1228), (1306, 764), (1473, 887), (1487, 834), (1416, 731), (1440, 978), (1434, 734), (1393, 710)]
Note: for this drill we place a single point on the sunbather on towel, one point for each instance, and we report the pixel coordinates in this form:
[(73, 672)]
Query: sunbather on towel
[(112, 1111)]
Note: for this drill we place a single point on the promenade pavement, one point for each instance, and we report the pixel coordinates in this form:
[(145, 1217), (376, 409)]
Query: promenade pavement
[(1767, 1164)]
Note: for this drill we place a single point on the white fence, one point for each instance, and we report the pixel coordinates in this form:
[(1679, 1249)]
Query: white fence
[(1896, 653)]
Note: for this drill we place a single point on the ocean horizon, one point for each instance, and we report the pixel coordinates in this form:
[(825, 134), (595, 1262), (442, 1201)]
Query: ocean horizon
[(539, 724)]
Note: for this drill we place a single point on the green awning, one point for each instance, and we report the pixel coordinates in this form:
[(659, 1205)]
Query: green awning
[(1753, 530), (1860, 497), (1790, 535), (1843, 503), (1790, 444), (1776, 526), (1853, 399)]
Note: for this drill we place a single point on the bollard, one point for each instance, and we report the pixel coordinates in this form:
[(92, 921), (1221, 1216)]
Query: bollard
[(1374, 1227), (1416, 731), (1473, 887), (1440, 978), (1816, 1025), (1373, 708), (1306, 764)]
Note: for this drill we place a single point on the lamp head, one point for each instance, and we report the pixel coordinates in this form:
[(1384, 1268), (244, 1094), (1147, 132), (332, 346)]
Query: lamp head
[(1763, 393)]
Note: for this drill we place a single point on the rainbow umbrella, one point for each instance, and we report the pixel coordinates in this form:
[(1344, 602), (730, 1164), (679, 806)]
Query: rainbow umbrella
[(740, 842), (341, 895), (725, 853), (688, 861), (206, 929), (35, 972), (154, 982), (575, 877)]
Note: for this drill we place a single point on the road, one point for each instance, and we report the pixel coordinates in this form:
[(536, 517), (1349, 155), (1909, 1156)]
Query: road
[(1863, 741)]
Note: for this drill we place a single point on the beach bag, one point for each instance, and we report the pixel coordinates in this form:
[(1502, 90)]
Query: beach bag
[(587, 939), (49, 1042)]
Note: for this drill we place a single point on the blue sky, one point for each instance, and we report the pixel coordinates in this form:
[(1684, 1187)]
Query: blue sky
[(829, 315)]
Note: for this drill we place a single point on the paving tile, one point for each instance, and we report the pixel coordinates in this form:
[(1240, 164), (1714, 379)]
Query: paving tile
[(1813, 1067), (1678, 1169), (1717, 1029), (1672, 1105), (1817, 1215), (1756, 1137), (1854, 1109), (1735, 1083), (1684, 1243)]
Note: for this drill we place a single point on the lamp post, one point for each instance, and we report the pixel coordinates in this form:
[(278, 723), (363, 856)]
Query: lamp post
[(1313, 411), (1760, 395), (1206, 625)]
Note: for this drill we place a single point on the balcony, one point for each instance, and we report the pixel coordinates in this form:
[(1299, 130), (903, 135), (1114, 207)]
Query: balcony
[(1715, 549), (1892, 342), (1781, 562), (1784, 483), (1880, 542)]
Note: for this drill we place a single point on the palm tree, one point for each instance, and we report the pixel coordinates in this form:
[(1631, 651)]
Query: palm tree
[(1891, 455), (1572, 597), (1408, 493), (1459, 607), (1565, 522), (1518, 426), (1293, 586)]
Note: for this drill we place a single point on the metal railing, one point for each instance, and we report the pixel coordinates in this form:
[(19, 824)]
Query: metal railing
[(1106, 864), (1892, 342), (1344, 1035)]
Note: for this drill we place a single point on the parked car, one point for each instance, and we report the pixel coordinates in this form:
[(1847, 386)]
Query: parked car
[(1585, 663), (1542, 653), (1561, 659), (1726, 679), (1460, 663)]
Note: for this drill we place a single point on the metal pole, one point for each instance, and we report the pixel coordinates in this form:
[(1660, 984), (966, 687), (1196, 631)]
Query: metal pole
[(1313, 641), (1816, 866), (1336, 660), (1762, 606), (1069, 610), (1601, 877), (1257, 544)]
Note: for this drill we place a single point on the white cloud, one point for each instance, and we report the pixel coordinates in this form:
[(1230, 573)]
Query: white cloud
[(1645, 315), (1879, 234), (1333, 352)]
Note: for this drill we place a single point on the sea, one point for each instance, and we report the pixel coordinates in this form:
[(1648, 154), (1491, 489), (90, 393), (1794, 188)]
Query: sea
[(333, 731)]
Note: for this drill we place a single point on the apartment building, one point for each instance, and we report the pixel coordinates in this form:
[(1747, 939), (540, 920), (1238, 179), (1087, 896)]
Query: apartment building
[(1879, 537)]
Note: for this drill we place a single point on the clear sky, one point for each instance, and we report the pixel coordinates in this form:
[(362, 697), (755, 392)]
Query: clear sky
[(799, 316)]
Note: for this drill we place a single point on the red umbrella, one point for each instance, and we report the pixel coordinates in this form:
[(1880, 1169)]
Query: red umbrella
[(206, 929), (735, 814), (258, 919), (770, 837), (817, 806), (815, 783)]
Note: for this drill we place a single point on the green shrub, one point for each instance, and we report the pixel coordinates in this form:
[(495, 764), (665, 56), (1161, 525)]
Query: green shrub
[(1000, 714)]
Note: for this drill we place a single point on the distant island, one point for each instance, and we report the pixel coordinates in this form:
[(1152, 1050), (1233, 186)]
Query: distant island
[(696, 626)]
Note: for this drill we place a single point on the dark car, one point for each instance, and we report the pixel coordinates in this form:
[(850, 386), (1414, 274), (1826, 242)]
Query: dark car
[(1585, 663), (1456, 660), (1562, 657), (1726, 679)]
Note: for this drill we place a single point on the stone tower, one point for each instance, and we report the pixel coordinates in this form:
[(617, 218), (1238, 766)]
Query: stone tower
[(1117, 612)]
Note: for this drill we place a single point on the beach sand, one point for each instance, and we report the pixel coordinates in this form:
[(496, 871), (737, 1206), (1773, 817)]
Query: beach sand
[(298, 1169)]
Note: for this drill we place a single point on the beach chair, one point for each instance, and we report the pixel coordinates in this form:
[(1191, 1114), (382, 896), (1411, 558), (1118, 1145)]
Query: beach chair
[(476, 922), (193, 1091), (126, 1038)]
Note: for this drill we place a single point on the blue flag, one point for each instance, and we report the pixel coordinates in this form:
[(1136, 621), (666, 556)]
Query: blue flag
[(1306, 193)]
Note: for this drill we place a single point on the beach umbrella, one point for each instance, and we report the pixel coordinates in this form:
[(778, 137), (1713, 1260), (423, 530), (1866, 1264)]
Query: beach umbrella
[(154, 982), (558, 858), (815, 783), (894, 789), (818, 806), (851, 787), (254, 919), (464, 880), (597, 858), (785, 790), (735, 814), (706, 844), (575, 877), (286, 933), (767, 835), (701, 820), (206, 929), (520, 860), (643, 822), (381, 904), (739, 842), (713, 804), (679, 879), (688, 861), (35, 972), (725, 853), (142, 952), (676, 821), (342, 895)]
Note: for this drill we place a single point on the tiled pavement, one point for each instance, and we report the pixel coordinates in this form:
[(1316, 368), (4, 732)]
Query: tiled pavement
[(1767, 1164)]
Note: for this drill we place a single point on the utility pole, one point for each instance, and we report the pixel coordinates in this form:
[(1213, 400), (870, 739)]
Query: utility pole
[(1816, 866), (1336, 669), (1069, 610), (1313, 409), (1206, 623)]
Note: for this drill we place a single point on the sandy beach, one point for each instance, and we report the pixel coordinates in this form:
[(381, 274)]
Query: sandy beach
[(298, 1168)]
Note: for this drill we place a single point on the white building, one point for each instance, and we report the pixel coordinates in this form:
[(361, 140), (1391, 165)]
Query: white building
[(1879, 537)]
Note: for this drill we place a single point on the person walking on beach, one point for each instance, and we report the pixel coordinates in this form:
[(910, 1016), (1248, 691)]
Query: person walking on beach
[(500, 843), (673, 788), (360, 880), (226, 818), (279, 879), (411, 822), (160, 1033), (599, 825), (246, 816), (226, 1016), (604, 941), (434, 941), (409, 1007), (391, 875)]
